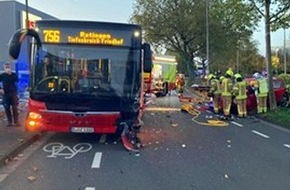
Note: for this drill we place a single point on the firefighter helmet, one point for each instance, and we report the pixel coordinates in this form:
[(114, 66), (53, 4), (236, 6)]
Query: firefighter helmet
[(210, 76), (230, 72), (237, 75)]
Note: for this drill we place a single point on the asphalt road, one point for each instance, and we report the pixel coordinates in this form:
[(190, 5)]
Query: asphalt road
[(178, 154)]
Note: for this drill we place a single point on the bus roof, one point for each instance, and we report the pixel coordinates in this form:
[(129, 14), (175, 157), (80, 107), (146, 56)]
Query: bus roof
[(87, 24)]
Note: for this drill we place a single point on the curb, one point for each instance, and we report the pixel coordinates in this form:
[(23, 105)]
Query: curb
[(14, 152)]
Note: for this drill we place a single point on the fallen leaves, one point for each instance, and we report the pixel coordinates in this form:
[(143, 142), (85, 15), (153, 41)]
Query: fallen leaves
[(6, 161), (174, 124), (31, 178), (20, 140), (35, 168)]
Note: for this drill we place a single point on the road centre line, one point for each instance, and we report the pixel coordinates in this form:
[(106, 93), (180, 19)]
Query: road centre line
[(103, 138), (286, 145), (237, 124), (97, 160), (260, 134), (90, 188), (163, 109)]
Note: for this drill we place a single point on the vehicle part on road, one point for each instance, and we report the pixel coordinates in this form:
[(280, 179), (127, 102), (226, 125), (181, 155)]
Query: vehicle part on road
[(191, 99), (130, 139), (195, 113)]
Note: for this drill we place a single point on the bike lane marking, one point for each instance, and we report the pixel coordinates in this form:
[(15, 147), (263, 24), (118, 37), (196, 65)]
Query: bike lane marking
[(260, 134), (58, 149), (97, 160)]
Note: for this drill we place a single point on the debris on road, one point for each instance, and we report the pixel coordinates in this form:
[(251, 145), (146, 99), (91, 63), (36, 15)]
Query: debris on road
[(20, 140), (174, 124), (31, 178), (35, 168)]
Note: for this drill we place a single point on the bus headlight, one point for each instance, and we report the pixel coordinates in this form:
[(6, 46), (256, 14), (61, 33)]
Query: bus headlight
[(31, 123), (34, 115)]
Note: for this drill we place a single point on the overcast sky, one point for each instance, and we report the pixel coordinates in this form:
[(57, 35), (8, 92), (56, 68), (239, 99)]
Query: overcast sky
[(120, 11)]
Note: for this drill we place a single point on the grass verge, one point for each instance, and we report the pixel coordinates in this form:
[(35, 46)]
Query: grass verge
[(279, 116)]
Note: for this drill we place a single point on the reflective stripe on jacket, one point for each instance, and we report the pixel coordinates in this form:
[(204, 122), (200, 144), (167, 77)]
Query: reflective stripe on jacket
[(263, 87), (215, 87), (240, 90), (226, 87)]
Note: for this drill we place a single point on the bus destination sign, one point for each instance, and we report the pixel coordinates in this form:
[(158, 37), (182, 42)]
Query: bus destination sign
[(81, 37)]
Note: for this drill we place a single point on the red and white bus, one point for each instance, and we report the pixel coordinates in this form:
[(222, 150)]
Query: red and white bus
[(85, 77)]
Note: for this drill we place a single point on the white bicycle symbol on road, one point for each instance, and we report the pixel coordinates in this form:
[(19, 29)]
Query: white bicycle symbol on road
[(59, 149)]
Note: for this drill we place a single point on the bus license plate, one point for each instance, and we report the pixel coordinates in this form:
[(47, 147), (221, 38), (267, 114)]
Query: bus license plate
[(82, 129)]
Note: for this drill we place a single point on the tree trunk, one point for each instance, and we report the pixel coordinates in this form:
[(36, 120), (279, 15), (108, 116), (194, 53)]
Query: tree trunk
[(272, 99), (190, 69)]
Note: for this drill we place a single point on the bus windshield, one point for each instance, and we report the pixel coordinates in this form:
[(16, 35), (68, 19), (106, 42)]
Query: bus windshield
[(84, 70)]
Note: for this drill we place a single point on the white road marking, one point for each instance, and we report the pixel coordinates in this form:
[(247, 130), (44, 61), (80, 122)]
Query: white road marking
[(103, 138), (59, 149), (286, 145), (260, 134), (162, 109), (97, 160), (90, 188), (237, 124), (2, 177)]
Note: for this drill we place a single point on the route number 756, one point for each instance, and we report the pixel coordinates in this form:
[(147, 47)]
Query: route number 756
[(52, 36)]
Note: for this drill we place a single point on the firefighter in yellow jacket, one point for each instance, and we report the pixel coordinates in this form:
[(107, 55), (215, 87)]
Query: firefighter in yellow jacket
[(215, 90), (239, 91), (226, 87), (261, 92), (180, 82)]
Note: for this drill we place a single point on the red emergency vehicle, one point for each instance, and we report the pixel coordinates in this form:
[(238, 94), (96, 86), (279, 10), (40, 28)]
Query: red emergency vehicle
[(161, 79)]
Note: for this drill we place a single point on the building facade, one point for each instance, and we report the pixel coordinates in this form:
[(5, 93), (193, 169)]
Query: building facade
[(12, 18)]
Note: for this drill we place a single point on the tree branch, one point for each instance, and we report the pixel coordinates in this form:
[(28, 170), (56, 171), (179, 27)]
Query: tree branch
[(256, 7)]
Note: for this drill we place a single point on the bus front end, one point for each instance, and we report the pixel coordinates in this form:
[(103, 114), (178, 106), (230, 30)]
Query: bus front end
[(85, 77)]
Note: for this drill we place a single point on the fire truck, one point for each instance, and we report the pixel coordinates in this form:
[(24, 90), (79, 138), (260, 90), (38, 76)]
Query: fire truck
[(85, 77), (162, 78)]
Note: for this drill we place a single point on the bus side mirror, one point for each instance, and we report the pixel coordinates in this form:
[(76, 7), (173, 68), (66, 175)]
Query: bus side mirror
[(17, 38), (147, 58)]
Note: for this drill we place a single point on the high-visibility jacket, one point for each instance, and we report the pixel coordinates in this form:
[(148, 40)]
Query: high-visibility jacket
[(226, 87), (215, 87), (263, 87), (240, 90)]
